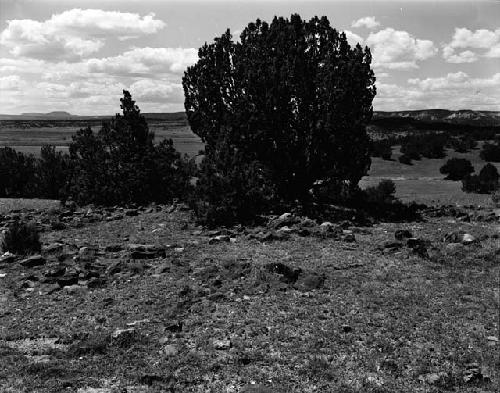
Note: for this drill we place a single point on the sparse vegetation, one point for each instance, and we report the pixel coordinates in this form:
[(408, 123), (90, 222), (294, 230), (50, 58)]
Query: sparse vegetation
[(21, 238)]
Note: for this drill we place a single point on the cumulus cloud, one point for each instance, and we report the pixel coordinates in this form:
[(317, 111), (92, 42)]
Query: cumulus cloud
[(368, 21), (486, 41), (398, 50), (11, 82), (456, 80), (456, 90), (145, 61), (353, 38), (147, 90), (73, 34)]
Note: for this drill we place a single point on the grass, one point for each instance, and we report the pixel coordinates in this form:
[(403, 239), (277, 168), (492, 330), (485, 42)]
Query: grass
[(383, 322), (422, 181), (29, 140)]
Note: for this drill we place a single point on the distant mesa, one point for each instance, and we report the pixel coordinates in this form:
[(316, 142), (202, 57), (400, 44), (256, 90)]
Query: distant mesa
[(57, 114)]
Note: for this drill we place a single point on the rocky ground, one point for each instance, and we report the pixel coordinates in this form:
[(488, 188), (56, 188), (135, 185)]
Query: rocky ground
[(143, 300)]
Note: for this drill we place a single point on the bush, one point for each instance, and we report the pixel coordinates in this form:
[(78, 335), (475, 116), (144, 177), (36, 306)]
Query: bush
[(404, 159), (17, 174), (52, 173), (456, 168), (382, 193), (381, 149), (490, 152), (269, 99), (21, 238), (231, 189), (495, 198), (484, 183)]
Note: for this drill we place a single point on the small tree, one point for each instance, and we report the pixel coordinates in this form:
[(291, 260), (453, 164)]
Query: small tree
[(490, 152), (121, 164), (488, 177), (456, 168), (292, 96), (484, 183)]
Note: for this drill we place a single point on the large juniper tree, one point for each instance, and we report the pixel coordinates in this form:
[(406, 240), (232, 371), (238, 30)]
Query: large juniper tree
[(292, 95)]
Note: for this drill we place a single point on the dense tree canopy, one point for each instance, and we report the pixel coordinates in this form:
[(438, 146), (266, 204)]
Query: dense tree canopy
[(292, 95)]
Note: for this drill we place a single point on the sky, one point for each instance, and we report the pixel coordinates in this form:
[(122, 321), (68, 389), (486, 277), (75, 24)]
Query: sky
[(78, 56)]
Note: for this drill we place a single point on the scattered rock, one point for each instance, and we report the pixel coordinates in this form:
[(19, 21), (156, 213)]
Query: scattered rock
[(467, 238), (402, 234), (146, 251), (390, 245), (67, 280), (32, 261), (434, 378), (53, 248), (113, 248), (131, 212), (124, 337), (170, 350), (288, 275), (257, 388), (219, 239), (7, 257), (474, 373), (310, 281), (222, 345), (286, 219)]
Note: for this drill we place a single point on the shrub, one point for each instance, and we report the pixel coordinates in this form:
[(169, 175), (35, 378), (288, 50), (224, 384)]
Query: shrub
[(52, 173), (490, 152), (382, 193), (404, 159), (381, 149), (488, 177), (21, 238), (17, 174), (269, 98), (456, 168), (485, 182), (231, 189)]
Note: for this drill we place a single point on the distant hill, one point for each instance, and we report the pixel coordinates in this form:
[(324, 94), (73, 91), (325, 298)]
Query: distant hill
[(464, 116), (61, 115), (428, 116)]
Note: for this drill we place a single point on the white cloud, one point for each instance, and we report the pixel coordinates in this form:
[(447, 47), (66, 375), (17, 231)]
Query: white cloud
[(146, 61), (353, 38), (453, 91), (73, 34), (488, 41), (147, 90), (398, 50), (11, 82), (368, 21), (456, 80)]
